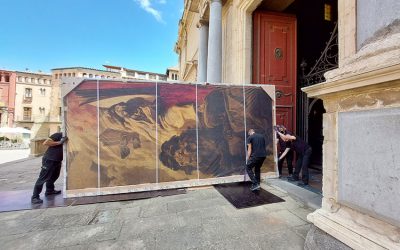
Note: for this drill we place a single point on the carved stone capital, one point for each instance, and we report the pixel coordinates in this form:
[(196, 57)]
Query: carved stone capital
[(202, 22)]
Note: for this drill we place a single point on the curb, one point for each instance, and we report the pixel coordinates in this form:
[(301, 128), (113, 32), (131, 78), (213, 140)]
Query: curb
[(309, 198)]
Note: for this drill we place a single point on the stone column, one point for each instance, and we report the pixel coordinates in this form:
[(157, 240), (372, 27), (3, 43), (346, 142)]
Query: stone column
[(214, 59), (203, 50)]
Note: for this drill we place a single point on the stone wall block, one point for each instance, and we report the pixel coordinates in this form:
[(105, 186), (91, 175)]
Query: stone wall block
[(329, 157), (329, 184), (328, 123)]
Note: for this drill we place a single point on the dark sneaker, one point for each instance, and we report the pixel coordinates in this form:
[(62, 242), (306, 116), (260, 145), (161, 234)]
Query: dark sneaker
[(292, 178), (255, 187), (54, 192), (36, 200), (301, 184)]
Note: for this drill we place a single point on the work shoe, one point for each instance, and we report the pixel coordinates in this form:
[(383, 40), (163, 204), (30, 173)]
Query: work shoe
[(53, 192), (36, 200), (293, 178), (255, 187), (301, 184)]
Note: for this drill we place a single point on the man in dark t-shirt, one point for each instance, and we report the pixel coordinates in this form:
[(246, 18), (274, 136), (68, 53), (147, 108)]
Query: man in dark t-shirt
[(284, 149), (51, 166), (256, 154), (303, 152)]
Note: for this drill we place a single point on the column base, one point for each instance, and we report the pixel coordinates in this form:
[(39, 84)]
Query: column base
[(318, 239), (348, 226)]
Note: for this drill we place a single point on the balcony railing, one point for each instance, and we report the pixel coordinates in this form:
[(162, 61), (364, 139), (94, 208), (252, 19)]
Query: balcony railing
[(27, 100)]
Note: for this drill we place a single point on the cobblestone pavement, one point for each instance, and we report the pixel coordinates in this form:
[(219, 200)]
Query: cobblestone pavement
[(200, 219), (21, 174)]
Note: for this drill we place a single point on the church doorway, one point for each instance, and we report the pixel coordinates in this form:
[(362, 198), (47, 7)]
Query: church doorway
[(294, 44)]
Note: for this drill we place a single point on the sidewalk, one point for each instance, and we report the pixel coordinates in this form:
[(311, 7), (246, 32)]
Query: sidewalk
[(8, 155), (21, 174), (200, 219)]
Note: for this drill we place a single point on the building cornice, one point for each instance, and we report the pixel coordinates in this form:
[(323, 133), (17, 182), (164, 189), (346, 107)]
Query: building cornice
[(382, 75), (78, 68), (19, 73), (34, 84)]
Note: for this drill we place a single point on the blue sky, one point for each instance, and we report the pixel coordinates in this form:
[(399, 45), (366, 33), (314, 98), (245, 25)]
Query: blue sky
[(46, 34)]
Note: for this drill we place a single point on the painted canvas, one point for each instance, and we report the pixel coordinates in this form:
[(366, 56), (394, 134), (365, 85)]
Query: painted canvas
[(149, 134)]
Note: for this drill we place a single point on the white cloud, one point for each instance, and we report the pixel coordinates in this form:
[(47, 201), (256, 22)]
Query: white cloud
[(162, 1), (146, 5)]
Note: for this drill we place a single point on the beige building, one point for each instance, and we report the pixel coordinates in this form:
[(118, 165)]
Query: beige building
[(7, 98), (135, 74), (173, 73), (32, 102), (345, 56)]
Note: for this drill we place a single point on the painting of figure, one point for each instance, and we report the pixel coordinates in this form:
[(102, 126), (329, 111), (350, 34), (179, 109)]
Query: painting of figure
[(128, 133)]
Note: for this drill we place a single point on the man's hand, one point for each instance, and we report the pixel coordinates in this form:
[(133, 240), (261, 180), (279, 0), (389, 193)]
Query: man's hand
[(64, 139)]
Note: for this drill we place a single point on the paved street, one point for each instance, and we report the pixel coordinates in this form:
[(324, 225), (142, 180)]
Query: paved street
[(21, 174), (8, 155), (200, 219)]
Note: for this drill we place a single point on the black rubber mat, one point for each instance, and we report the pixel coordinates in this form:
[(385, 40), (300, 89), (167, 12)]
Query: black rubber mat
[(21, 200), (240, 195)]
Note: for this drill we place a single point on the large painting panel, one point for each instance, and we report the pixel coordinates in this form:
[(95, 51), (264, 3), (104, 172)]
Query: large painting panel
[(221, 131), (177, 139), (127, 133), (259, 117), (123, 134), (81, 128)]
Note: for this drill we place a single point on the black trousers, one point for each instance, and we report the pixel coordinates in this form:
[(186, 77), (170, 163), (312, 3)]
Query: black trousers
[(256, 163), (303, 160), (49, 174), (289, 163)]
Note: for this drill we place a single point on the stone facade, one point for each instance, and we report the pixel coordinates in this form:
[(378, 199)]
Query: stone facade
[(236, 38), (7, 98), (172, 74), (134, 74), (367, 81), (32, 102)]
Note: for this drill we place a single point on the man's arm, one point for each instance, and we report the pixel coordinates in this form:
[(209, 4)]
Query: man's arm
[(284, 154), (287, 137), (50, 143), (248, 150)]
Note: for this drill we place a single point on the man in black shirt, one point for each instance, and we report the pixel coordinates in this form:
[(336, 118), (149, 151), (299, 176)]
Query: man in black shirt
[(284, 150), (303, 151), (51, 166), (256, 154)]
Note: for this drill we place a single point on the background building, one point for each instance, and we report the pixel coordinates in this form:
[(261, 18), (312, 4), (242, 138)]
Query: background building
[(173, 73), (32, 102), (7, 98), (135, 74)]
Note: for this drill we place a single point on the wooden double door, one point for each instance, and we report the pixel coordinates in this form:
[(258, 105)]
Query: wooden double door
[(274, 61)]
